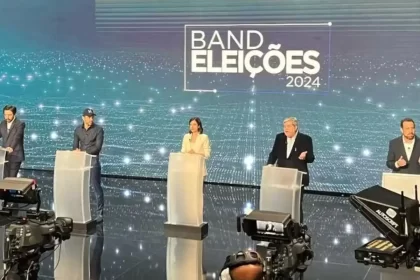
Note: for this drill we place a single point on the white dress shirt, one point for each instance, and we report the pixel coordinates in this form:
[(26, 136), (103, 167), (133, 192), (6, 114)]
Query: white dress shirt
[(408, 147), (290, 143), (201, 145), (9, 125)]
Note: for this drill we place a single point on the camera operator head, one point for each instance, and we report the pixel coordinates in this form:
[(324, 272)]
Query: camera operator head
[(247, 272), (244, 265)]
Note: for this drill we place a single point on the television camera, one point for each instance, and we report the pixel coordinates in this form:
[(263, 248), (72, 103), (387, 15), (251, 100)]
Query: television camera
[(285, 248), (29, 233), (396, 217)]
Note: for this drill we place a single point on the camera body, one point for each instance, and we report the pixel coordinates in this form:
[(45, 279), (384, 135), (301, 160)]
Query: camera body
[(32, 232), (25, 235), (285, 246), (283, 260), (27, 239)]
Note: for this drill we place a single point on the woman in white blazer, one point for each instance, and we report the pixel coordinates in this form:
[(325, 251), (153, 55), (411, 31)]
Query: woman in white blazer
[(195, 142)]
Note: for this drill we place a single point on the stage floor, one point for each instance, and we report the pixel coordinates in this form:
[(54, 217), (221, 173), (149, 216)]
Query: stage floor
[(132, 245)]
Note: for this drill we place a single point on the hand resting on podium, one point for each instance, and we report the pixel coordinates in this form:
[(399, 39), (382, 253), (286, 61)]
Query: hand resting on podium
[(80, 151), (200, 147), (193, 152), (195, 142), (302, 156)]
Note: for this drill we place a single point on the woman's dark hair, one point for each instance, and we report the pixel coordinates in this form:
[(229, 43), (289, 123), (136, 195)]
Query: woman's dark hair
[(10, 108), (198, 121)]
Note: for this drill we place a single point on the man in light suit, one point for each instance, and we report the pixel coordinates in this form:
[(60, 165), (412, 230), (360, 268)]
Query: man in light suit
[(404, 151), (12, 133), (293, 149)]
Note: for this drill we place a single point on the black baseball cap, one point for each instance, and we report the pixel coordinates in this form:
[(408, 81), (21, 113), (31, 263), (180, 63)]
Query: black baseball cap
[(88, 112)]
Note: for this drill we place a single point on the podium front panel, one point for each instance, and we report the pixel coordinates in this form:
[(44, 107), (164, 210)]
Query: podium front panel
[(280, 177), (184, 259), (185, 189), (284, 200), (74, 259), (71, 194), (398, 182), (72, 159), (2, 247), (2, 171), (3, 154)]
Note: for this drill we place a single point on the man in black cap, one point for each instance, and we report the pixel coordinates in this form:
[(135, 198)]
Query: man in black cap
[(89, 138)]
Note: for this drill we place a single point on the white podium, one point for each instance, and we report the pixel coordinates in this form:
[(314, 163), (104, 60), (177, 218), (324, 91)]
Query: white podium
[(3, 161), (80, 257), (2, 247), (184, 259), (71, 189), (281, 190), (185, 197), (72, 261), (398, 182)]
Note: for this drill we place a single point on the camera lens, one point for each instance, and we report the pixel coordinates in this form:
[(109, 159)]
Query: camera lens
[(64, 225)]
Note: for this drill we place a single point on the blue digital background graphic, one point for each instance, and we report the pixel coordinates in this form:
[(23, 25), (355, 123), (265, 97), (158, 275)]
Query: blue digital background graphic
[(125, 59)]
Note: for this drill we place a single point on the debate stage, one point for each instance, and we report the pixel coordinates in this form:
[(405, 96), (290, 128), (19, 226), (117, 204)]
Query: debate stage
[(135, 247)]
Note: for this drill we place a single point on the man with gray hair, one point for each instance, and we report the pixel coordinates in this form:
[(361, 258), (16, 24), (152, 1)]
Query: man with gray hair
[(293, 149)]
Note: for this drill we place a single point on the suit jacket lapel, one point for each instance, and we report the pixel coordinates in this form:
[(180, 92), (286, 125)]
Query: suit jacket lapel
[(416, 143), (296, 141), (414, 153), (283, 147), (10, 130), (403, 153), (5, 135), (293, 147), (3, 128)]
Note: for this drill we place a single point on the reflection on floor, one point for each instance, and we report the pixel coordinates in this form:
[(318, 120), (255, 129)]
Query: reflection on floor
[(131, 243)]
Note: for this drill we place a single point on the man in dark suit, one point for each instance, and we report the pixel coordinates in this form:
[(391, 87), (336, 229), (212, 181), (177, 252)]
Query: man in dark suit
[(12, 133), (293, 149), (404, 151)]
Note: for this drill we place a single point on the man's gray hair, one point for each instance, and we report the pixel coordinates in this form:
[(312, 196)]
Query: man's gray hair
[(291, 119)]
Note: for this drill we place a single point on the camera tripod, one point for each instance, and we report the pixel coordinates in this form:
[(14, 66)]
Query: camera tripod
[(23, 268)]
